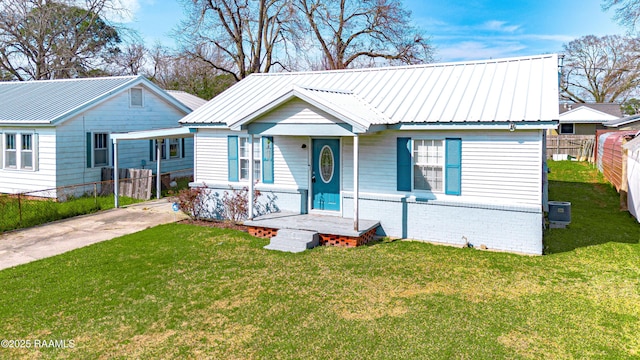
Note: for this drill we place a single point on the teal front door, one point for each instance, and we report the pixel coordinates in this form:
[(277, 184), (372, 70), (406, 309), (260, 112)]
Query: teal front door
[(325, 178)]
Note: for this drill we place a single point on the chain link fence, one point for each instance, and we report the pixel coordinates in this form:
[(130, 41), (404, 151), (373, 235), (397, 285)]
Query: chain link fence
[(38, 207)]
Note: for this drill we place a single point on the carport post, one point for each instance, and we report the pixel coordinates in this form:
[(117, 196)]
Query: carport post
[(160, 142), (356, 190), (251, 180), (115, 173)]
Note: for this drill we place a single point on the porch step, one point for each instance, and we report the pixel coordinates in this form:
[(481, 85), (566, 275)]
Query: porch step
[(292, 240)]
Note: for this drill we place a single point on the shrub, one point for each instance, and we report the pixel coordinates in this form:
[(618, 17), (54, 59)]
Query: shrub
[(191, 201), (236, 203)]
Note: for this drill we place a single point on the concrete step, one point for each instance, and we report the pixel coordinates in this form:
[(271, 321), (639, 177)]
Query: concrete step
[(294, 240)]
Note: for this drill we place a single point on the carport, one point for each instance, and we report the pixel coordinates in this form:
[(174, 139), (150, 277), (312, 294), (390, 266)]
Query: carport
[(160, 135)]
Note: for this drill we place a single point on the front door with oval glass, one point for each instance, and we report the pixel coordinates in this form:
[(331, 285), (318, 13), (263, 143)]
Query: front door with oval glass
[(325, 178)]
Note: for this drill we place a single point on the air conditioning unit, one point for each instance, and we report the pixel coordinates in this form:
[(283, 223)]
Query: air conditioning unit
[(559, 214)]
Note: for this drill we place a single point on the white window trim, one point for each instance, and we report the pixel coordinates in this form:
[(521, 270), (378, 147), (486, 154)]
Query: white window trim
[(93, 149), (131, 104), (442, 165), (166, 154), (257, 158), (18, 150)]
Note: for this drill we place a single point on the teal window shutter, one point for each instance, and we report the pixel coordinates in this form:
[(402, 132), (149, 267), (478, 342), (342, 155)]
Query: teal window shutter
[(89, 150), (182, 148), (453, 164), (404, 164), (151, 150), (267, 160), (232, 153)]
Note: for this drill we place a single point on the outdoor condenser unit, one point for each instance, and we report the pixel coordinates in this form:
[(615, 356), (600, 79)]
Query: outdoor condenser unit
[(559, 214)]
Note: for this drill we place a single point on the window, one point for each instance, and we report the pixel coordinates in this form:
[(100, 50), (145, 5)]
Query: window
[(135, 96), (428, 157), (238, 157), (100, 149), (20, 151), (26, 152), (174, 148), (566, 129), (11, 151), (243, 150)]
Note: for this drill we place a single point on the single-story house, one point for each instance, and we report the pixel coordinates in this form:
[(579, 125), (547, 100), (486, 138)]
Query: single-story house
[(447, 153), (56, 133), (586, 118), (626, 123)]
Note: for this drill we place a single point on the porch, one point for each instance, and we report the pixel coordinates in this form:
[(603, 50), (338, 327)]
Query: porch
[(332, 230)]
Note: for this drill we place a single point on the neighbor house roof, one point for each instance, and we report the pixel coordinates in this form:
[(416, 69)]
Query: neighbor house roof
[(623, 121), (586, 114), (53, 101), (607, 108), (191, 101), (514, 89)]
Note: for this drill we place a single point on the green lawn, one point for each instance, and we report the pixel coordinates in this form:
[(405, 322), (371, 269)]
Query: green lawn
[(27, 213), (180, 291)]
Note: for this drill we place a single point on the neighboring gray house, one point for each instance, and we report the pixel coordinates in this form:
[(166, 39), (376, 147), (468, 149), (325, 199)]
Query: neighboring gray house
[(586, 118), (449, 153), (56, 133)]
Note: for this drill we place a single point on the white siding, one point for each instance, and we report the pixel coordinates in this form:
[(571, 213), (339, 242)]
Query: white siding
[(290, 160), (17, 181), (115, 115), (497, 167), (297, 111)]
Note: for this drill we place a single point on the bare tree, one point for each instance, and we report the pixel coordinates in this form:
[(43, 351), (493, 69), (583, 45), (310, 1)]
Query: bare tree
[(349, 32), (181, 71), (600, 69), (626, 12), (128, 61), (237, 37), (42, 39)]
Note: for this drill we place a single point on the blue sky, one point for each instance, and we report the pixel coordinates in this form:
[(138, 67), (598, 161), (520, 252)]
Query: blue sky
[(459, 29)]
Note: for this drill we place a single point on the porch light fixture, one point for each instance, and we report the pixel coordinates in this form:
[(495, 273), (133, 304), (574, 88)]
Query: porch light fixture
[(512, 126), (304, 146)]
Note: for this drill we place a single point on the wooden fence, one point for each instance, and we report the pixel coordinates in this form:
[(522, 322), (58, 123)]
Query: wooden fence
[(134, 183), (580, 147)]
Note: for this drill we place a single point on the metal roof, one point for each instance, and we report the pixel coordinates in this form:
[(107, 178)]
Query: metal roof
[(52, 101), (623, 121), (513, 89), (586, 114), (607, 108), (191, 101)]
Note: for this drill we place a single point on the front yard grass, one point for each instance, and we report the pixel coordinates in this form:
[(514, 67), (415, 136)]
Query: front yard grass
[(182, 291)]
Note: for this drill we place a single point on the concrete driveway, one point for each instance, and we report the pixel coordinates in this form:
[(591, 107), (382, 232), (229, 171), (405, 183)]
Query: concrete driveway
[(23, 246)]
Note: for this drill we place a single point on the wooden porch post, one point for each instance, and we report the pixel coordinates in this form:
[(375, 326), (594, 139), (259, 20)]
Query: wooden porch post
[(356, 170), (115, 173), (158, 157), (250, 214)]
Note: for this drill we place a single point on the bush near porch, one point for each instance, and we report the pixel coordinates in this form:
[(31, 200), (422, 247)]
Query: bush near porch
[(182, 291)]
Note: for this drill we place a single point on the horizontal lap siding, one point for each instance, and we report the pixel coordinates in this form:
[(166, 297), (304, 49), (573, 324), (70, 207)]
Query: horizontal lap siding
[(502, 168), (115, 115), (496, 166), (297, 111), (290, 160), (15, 181)]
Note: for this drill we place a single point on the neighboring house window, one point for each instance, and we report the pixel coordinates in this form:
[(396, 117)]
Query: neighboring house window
[(428, 158), (239, 159), (567, 129), (135, 95), (429, 165), (175, 149), (11, 151), (100, 149), (20, 151)]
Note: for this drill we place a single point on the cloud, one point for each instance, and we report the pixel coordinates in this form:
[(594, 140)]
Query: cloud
[(496, 25), (474, 50)]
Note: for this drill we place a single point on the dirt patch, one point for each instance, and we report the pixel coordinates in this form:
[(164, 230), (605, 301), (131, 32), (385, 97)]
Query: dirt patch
[(215, 223)]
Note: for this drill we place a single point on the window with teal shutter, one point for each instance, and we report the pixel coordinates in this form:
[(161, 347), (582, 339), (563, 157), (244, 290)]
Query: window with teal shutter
[(232, 155), (267, 160), (89, 150), (403, 176), (453, 164)]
